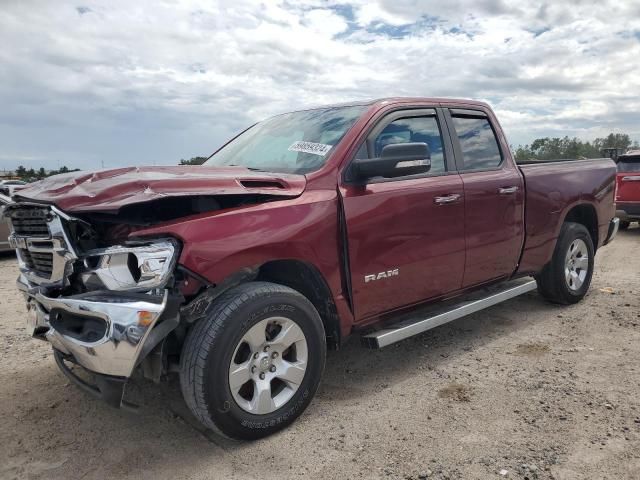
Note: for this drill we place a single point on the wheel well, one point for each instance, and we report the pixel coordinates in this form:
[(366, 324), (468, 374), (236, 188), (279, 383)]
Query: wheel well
[(586, 215), (307, 280)]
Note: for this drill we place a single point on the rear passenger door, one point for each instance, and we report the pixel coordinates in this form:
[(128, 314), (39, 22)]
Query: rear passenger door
[(405, 234), (494, 197)]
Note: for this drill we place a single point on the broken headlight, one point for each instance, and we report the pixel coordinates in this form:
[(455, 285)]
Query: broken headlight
[(123, 267)]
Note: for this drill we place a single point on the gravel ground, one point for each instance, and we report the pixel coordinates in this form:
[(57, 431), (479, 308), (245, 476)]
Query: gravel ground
[(522, 390)]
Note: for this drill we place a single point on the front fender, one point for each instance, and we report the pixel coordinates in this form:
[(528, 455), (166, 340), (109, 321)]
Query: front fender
[(304, 228)]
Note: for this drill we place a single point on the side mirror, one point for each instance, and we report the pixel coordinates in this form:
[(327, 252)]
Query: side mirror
[(396, 160)]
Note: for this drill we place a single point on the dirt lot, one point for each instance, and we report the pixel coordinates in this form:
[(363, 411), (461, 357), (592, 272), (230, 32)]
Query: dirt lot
[(526, 388)]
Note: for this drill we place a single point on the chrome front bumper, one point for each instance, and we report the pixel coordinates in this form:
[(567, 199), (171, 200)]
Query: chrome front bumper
[(107, 333)]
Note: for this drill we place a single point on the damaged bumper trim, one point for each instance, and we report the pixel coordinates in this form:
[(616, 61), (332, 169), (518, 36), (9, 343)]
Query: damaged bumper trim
[(104, 332), (107, 388)]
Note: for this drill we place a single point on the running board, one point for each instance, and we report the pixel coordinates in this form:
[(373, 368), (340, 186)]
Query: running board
[(417, 323)]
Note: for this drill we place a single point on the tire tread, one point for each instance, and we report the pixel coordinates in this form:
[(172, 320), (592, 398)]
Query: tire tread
[(551, 283), (202, 336)]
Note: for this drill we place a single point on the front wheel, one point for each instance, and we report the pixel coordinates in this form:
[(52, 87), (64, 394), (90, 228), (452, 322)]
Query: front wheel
[(252, 366), (566, 279)]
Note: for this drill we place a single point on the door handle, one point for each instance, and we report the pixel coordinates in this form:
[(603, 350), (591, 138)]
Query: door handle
[(631, 178), (507, 190), (446, 199)]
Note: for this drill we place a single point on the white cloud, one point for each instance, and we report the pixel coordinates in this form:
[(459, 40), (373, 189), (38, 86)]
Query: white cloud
[(143, 82)]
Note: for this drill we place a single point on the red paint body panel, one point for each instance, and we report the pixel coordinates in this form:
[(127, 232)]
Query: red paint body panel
[(397, 225), (552, 190), (109, 190), (628, 186), (218, 244), (438, 250), (494, 224)]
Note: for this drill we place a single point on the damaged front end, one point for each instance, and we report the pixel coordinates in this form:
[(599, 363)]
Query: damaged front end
[(102, 307)]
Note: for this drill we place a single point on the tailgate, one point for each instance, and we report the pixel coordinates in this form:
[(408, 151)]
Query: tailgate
[(628, 179)]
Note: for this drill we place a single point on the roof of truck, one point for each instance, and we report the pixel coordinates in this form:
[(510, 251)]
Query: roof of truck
[(391, 100), (388, 100), (401, 100)]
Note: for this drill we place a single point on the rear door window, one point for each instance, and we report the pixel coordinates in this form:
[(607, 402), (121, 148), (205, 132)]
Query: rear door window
[(478, 142), (630, 165)]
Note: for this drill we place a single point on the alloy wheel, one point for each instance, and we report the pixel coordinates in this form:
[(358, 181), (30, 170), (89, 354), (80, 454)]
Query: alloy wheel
[(576, 265), (268, 365)]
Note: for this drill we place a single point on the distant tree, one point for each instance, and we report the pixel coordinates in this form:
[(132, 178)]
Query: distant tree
[(193, 161), (614, 140), (559, 148), (63, 169), (32, 174)]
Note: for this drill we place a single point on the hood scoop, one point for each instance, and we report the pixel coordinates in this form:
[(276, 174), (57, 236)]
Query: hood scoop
[(251, 183)]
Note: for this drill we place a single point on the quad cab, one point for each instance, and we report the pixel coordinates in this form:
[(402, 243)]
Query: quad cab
[(380, 219)]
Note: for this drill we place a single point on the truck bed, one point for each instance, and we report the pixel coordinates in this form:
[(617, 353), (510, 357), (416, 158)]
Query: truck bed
[(553, 188)]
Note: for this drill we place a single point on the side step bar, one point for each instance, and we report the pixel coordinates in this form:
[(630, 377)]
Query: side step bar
[(479, 301)]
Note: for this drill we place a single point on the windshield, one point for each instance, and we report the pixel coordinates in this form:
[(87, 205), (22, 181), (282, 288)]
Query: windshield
[(297, 142)]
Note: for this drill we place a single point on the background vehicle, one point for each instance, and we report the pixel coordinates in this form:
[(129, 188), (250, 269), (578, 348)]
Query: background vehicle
[(9, 187), (628, 188), (5, 228), (304, 229)]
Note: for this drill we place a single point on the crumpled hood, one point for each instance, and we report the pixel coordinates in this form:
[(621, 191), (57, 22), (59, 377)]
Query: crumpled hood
[(109, 190)]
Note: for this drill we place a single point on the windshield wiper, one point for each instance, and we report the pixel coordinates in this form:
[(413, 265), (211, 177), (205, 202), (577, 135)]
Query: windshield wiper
[(254, 169)]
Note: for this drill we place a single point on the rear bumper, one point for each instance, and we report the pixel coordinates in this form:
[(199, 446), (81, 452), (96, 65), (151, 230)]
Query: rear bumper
[(614, 224), (107, 333), (628, 211)]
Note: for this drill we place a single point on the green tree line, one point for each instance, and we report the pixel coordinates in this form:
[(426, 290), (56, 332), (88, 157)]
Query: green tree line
[(193, 161), (556, 148), (32, 174)]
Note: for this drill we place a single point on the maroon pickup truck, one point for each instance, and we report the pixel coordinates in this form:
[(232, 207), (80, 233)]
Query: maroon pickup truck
[(381, 219)]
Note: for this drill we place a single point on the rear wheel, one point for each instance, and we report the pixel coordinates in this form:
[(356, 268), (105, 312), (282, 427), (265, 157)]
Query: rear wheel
[(253, 365), (566, 279), (624, 224)]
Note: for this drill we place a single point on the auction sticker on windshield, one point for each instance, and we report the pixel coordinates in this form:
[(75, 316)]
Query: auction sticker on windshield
[(310, 147)]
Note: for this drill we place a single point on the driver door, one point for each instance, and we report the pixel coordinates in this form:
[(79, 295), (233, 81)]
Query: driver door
[(405, 234)]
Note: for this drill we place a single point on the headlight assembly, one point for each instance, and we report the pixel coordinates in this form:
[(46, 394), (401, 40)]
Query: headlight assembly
[(120, 268)]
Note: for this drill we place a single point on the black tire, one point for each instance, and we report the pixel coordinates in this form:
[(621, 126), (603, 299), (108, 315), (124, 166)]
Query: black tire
[(624, 224), (210, 346), (552, 284)]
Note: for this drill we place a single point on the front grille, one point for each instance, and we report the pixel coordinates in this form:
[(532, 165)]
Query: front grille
[(38, 262), (30, 222), (39, 235)]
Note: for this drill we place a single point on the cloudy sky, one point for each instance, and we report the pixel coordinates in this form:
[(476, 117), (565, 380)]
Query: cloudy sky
[(114, 83)]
